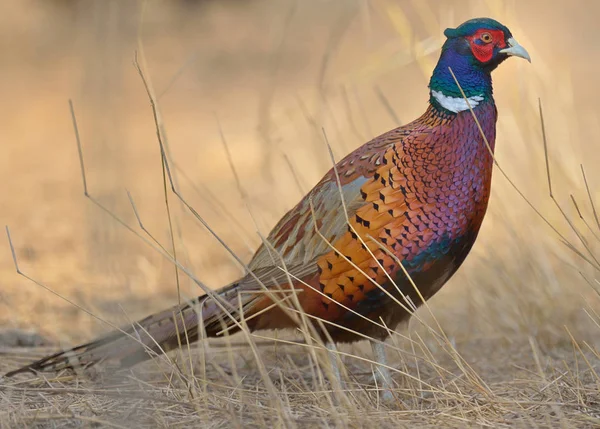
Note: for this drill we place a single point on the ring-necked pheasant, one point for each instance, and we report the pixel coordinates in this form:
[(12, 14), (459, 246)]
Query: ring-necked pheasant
[(416, 195)]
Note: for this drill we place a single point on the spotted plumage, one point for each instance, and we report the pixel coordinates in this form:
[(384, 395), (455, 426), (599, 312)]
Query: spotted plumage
[(415, 196)]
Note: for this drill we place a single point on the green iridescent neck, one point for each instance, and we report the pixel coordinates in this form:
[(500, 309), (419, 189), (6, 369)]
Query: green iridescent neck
[(473, 79)]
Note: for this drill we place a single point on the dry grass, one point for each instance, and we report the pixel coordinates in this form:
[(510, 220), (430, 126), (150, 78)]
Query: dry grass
[(521, 317)]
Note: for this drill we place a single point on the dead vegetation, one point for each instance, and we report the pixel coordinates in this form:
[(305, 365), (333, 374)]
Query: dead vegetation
[(521, 323)]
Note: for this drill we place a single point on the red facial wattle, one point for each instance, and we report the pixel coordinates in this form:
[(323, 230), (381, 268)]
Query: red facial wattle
[(485, 51)]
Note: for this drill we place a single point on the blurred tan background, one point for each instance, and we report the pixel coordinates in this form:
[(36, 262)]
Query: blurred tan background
[(273, 72)]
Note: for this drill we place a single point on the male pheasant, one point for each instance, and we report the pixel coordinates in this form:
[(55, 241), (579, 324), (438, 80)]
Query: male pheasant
[(416, 195)]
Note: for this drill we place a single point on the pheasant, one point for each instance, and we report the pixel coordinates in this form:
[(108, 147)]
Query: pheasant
[(415, 196)]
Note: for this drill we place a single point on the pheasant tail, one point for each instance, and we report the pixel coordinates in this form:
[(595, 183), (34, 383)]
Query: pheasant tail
[(154, 335)]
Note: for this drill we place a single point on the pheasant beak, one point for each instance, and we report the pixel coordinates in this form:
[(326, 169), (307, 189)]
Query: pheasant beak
[(514, 49)]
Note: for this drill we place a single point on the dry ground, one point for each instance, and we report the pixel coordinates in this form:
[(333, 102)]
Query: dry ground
[(521, 318)]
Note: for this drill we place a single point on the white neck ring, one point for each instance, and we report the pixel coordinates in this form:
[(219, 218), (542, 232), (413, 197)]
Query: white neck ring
[(456, 104)]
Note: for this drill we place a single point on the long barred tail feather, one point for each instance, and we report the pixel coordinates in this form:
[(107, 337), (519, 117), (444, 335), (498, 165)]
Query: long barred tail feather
[(153, 335)]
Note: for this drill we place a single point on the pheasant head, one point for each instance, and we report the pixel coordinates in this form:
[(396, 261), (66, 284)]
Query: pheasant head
[(472, 50)]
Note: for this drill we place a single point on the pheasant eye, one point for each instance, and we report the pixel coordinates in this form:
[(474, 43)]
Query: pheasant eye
[(486, 37)]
